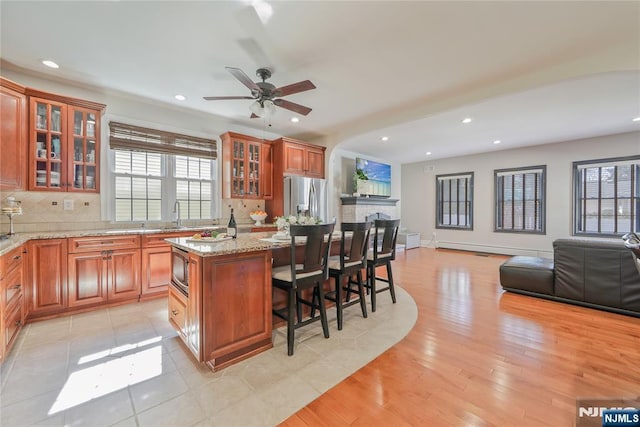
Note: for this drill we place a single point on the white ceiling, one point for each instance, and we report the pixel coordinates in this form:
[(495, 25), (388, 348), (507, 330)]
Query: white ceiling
[(526, 72)]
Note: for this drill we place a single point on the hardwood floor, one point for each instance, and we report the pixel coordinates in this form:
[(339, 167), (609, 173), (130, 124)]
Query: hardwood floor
[(478, 356)]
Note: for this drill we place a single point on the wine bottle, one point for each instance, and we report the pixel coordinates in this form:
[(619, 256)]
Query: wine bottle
[(232, 229)]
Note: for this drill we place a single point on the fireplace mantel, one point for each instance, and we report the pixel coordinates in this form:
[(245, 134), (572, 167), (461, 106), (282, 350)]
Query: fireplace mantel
[(359, 208), (378, 201)]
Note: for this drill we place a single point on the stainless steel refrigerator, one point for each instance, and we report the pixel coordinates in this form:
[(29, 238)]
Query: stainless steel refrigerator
[(306, 197)]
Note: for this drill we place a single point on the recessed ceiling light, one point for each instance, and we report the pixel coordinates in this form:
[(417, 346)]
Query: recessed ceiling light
[(384, 138), (497, 141), (467, 120), (428, 153), (636, 119), (50, 64), (294, 120), (180, 97)]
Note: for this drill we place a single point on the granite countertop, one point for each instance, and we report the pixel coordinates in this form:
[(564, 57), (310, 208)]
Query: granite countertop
[(248, 242), (16, 240)]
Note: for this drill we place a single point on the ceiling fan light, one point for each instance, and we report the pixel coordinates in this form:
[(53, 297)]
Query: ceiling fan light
[(269, 108), (257, 109)]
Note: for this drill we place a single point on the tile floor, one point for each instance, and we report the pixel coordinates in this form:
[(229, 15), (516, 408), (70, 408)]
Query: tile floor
[(125, 366)]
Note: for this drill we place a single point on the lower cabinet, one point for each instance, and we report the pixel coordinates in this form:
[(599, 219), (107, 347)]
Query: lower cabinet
[(46, 277), (105, 276), (156, 262), (12, 313), (178, 311)]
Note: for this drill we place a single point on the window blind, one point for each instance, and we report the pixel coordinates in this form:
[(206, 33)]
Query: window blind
[(135, 138)]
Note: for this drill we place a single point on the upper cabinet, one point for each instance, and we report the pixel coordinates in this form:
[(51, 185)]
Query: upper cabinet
[(246, 168), (64, 143), (299, 158), (13, 135)]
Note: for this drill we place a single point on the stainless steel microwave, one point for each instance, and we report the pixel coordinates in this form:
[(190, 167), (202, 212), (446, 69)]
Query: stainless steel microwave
[(180, 270)]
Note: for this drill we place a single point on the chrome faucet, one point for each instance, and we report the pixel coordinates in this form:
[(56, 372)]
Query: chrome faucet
[(176, 210)]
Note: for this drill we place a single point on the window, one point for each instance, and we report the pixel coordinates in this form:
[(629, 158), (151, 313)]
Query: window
[(454, 202), (607, 196), (520, 199), (153, 169), (193, 187), (138, 186)]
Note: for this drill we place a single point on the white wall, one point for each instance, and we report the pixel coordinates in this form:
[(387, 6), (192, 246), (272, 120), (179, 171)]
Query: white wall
[(418, 193)]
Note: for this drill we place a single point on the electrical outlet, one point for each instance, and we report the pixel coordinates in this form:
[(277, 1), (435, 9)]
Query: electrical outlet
[(68, 204)]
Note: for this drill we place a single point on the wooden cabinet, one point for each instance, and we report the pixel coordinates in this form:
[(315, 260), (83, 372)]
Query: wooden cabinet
[(12, 313), (64, 143), (13, 135), (194, 306), (177, 303), (103, 269), (46, 277), (299, 158), (292, 157), (228, 308), (245, 167), (156, 262)]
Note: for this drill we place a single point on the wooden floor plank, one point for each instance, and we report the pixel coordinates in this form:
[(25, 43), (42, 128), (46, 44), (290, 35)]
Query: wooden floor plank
[(478, 356)]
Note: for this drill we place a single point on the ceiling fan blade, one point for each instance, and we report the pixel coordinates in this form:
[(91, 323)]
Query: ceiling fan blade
[(244, 79), (222, 98), (292, 106), (294, 88)]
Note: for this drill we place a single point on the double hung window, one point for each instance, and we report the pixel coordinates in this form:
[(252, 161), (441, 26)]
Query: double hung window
[(520, 199), (454, 201), (607, 196)]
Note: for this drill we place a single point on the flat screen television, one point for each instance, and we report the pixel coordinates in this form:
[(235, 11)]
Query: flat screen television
[(374, 179)]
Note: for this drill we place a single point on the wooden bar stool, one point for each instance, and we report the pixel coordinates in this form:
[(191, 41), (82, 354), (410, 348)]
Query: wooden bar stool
[(311, 274), (349, 263), (382, 253)]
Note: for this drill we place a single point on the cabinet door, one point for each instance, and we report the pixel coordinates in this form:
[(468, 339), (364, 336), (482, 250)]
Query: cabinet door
[(314, 163), (46, 276), (156, 269), (178, 312), (266, 172), (11, 326), (13, 138), (87, 279), (48, 150), (83, 150), (123, 276), (194, 314), (294, 159)]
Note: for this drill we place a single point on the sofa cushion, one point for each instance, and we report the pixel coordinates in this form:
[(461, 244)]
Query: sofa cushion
[(527, 273)]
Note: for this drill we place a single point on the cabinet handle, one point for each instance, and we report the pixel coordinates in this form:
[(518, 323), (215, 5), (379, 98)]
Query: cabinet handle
[(17, 257), (106, 242), (174, 312), (18, 323), (17, 286)]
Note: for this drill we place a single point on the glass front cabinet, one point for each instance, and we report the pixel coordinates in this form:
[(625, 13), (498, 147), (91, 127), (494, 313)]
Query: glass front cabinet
[(244, 169), (64, 144)]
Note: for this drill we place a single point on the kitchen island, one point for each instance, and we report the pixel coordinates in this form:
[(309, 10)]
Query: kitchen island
[(223, 311)]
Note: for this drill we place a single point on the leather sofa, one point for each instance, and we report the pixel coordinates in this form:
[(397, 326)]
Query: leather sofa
[(593, 273)]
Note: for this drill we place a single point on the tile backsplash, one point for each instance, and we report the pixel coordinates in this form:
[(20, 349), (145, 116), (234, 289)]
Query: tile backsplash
[(44, 211)]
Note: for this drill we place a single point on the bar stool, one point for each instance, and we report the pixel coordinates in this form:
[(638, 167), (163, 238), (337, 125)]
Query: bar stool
[(383, 252), (311, 274), (351, 260)]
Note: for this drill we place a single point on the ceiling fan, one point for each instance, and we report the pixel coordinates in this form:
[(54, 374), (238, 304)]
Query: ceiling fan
[(266, 95)]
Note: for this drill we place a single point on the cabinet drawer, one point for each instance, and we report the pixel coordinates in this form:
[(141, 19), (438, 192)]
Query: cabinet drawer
[(96, 244), (10, 261), (150, 240), (12, 287), (13, 323), (177, 310)]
